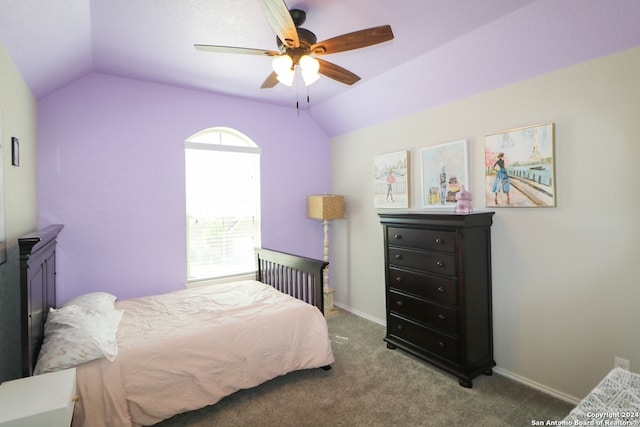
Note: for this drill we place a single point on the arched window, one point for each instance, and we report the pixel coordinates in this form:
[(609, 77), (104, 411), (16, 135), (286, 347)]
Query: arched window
[(223, 203)]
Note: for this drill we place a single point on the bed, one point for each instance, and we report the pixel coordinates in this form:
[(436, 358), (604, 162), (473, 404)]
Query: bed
[(140, 361), (615, 401)]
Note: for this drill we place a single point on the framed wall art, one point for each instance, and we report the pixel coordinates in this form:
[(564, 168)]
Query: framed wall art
[(520, 167), (445, 170), (391, 180), (15, 151), (3, 242)]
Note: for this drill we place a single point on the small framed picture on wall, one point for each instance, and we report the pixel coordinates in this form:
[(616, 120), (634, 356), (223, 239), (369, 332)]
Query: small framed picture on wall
[(445, 171), (391, 180), (15, 151)]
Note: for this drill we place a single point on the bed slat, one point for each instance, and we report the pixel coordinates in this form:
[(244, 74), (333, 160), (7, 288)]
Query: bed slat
[(300, 277)]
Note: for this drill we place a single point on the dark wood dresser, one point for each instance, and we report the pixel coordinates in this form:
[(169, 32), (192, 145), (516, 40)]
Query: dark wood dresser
[(438, 289)]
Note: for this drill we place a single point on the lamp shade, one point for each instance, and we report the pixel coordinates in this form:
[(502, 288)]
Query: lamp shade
[(326, 206)]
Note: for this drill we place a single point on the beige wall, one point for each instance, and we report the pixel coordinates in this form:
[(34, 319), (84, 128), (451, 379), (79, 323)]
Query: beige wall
[(18, 115), (565, 288)]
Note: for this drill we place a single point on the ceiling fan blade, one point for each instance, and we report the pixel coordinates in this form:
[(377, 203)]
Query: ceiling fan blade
[(235, 50), (280, 20), (270, 81), (337, 73), (355, 40)]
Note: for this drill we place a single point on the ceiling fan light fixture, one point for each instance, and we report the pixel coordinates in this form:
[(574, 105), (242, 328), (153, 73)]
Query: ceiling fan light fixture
[(309, 77), (296, 45), (282, 64), (309, 68), (309, 63), (286, 77)]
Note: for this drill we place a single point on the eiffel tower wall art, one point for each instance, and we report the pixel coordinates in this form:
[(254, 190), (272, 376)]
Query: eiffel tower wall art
[(520, 168)]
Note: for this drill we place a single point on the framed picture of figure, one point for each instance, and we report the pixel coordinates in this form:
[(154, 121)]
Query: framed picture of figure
[(445, 171), (391, 180), (520, 167)]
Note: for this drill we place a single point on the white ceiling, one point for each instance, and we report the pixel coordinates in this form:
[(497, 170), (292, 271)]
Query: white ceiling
[(55, 42)]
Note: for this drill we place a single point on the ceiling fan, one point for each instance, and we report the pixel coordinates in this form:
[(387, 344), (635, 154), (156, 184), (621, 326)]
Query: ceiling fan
[(299, 46)]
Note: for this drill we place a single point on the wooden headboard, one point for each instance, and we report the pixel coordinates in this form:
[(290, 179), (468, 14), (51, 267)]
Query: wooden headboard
[(37, 290), (300, 277)]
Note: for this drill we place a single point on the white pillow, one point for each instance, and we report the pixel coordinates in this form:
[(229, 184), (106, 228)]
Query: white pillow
[(74, 335), (101, 302)]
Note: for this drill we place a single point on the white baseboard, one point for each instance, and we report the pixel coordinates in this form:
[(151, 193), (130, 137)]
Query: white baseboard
[(540, 387), (526, 381), (360, 314)]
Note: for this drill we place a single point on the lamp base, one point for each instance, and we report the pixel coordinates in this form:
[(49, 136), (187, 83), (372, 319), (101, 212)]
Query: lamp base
[(329, 309)]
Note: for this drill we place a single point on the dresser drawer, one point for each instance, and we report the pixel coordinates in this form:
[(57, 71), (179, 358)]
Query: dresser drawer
[(422, 311), (422, 239), (423, 285), (423, 338), (434, 262)]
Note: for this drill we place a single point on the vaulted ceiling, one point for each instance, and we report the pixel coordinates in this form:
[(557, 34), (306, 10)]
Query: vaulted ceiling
[(55, 42)]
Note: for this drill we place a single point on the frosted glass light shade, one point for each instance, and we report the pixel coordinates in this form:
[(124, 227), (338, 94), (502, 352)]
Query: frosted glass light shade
[(281, 64), (286, 77), (308, 63), (309, 69)]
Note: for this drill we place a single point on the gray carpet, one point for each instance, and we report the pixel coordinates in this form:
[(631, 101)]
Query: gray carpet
[(370, 385)]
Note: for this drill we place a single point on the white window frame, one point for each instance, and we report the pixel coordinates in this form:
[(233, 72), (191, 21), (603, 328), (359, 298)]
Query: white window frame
[(212, 139)]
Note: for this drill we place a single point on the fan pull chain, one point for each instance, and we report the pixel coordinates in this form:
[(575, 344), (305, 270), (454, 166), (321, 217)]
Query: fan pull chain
[(297, 81)]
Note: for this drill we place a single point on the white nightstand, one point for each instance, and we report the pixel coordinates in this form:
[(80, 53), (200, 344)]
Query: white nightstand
[(41, 400)]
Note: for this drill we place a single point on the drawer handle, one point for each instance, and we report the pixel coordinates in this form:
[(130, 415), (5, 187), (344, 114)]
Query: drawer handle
[(397, 236), (442, 317), (399, 303), (441, 344), (440, 263), (399, 327), (399, 279), (440, 289), (439, 240), (398, 256)]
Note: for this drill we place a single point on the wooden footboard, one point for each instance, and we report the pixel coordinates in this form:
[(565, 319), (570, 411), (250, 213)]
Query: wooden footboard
[(300, 277)]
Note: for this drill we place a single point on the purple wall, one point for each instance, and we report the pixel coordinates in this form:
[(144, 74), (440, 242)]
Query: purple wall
[(111, 169), (539, 38)]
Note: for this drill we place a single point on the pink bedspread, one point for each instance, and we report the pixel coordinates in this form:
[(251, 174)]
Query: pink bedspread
[(188, 349)]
